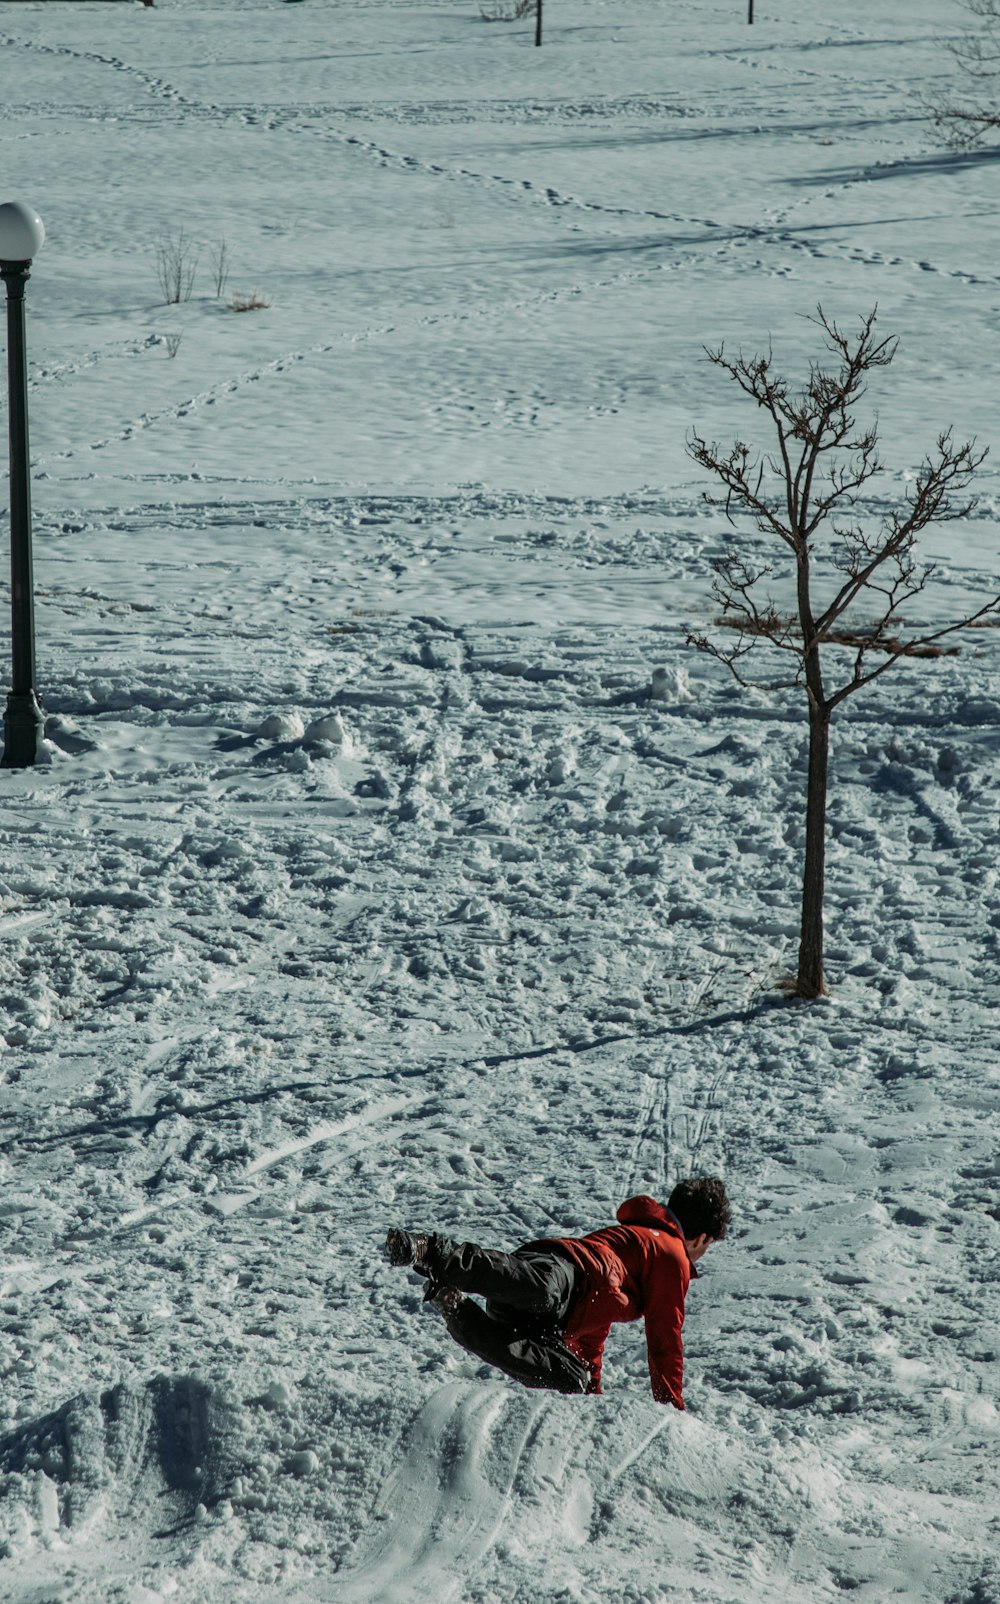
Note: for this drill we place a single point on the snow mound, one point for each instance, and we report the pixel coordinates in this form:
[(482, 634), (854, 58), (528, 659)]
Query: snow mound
[(156, 1456), (150, 1458), (329, 731), (280, 727)]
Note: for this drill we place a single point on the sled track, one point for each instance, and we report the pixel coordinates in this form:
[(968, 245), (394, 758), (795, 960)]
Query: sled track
[(444, 1506)]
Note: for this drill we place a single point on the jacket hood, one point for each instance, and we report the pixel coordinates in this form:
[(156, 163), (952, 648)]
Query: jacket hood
[(643, 1210)]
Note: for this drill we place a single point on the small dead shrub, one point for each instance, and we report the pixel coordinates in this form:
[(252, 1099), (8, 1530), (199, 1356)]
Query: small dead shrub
[(249, 303)]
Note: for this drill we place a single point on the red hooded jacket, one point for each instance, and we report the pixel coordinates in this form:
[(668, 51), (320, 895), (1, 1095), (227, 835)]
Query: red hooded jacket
[(638, 1267)]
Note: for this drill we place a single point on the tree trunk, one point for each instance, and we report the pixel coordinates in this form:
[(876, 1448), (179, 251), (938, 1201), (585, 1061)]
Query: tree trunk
[(811, 981)]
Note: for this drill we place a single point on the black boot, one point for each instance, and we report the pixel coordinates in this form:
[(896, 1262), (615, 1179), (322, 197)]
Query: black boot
[(404, 1248)]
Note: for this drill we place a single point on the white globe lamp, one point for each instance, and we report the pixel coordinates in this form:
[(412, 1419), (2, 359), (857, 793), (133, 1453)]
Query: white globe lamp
[(21, 232)]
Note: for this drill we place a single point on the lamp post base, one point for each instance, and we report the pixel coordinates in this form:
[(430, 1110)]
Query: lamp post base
[(23, 730)]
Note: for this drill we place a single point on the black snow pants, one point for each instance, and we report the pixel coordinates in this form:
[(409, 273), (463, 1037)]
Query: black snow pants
[(528, 1295)]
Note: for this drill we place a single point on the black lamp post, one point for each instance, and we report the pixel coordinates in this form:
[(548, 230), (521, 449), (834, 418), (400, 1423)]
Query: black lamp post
[(21, 234)]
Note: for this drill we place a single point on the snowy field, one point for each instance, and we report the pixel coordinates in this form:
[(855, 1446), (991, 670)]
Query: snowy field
[(398, 862)]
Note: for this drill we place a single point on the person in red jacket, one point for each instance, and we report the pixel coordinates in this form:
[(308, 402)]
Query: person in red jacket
[(551, 1304)]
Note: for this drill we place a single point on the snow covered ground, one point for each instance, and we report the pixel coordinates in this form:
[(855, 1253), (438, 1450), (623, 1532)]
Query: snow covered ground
[(397, 861)]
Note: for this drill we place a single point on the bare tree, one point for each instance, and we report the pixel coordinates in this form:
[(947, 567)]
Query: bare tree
[(219, 264), (512, 11), (507, 10), (968, 119), (806, 494), (176, 263)]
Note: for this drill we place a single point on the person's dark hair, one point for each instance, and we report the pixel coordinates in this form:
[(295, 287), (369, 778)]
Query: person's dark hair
[(701, 1205)]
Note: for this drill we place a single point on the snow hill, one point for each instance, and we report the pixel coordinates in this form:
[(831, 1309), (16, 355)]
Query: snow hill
[(397, 862)]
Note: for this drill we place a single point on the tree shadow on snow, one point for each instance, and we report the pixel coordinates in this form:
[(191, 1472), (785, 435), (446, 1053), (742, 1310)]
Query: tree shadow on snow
[(948, 161)]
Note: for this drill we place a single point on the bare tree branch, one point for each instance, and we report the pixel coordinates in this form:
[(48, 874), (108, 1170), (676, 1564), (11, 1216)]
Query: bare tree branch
[(915, 645), (964, 124)]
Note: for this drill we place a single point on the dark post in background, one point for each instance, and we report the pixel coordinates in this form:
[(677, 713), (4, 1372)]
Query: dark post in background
[(24, 725)]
